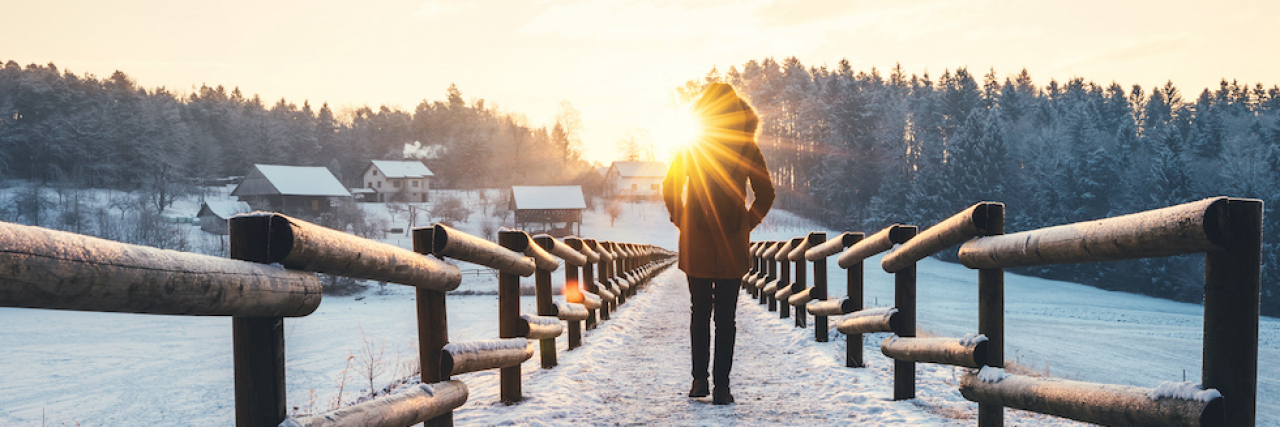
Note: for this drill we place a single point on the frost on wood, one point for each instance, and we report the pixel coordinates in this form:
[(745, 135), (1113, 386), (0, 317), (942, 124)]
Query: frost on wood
[(876, 243), (472, 356), (971, 339), (42, 268), (946, 351), (411, 406), (1185, 390), (301, 245), (991, 374), (1105, 404), (1186, 228)]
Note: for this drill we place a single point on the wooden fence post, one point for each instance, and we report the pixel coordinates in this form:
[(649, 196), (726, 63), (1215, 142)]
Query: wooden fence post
[(575, 327), (773, 275), (542, 286), (433, 327), (588, 283), (819, 291), (853, 288), (1232, 286), (784, 274), (257, 342), (904, 295), (509, 315), (802, 279), (991, 314)]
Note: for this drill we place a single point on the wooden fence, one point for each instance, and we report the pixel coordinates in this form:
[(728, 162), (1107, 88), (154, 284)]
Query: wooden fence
[(1227, 230), (271, 277)]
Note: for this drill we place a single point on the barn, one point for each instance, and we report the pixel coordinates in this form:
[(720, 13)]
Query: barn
[(214, 214), (552, 209), (294, 190)]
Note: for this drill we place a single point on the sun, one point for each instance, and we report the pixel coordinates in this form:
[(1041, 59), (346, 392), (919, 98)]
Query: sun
[(673, 128)]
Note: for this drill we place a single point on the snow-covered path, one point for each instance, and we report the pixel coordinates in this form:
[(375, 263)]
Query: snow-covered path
[(634, 370)]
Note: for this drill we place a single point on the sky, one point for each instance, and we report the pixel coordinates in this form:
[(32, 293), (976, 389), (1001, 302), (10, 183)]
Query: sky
[(618, 61)]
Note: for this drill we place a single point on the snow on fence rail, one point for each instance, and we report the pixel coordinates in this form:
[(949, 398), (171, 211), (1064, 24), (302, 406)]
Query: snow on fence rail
[(1227, 230), (271, 276)]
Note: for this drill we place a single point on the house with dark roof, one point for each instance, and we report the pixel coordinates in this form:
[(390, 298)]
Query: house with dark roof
[(294, 190), (641, 180), (396, 180), (552, 209)]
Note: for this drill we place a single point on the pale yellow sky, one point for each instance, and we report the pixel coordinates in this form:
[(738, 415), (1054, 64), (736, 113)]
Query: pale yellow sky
[(616, 61)]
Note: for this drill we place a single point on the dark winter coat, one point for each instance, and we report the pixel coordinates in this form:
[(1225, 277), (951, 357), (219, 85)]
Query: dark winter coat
[(705, 189)]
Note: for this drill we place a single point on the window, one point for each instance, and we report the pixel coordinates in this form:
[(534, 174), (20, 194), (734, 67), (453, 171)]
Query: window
[(315, 205), (635, 186), (379, 184), (370, 185), (415, 183), (375, 172), (653, 186), (396, 183)]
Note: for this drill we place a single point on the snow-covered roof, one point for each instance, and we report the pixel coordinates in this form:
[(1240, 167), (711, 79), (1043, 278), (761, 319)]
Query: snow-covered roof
[(277, 180), (547, 197), (402, 168), (224, 208), (640, 169)]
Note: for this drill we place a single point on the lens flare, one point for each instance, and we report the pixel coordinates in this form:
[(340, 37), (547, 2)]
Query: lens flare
[(672, 129)]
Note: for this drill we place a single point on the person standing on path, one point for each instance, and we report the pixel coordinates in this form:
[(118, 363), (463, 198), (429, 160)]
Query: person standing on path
[(705, 191)]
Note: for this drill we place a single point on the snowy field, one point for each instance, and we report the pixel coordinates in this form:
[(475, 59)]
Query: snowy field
[(91, 369)]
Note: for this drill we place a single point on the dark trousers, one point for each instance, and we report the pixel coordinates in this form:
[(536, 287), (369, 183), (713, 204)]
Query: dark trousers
[(718, 296)]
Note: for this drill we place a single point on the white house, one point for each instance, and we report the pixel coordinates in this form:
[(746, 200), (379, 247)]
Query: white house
[(635, 179), (397, 180)]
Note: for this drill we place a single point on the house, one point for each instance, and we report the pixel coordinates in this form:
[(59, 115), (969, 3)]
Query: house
[(552, 209), (641, 180), (214, 214), (396, 180), (295, 190)]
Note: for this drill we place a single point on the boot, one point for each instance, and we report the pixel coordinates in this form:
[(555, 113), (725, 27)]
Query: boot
[(701, 388), (721, 396)]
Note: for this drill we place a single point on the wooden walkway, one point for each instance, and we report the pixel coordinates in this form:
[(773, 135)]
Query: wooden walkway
[(634, 370)]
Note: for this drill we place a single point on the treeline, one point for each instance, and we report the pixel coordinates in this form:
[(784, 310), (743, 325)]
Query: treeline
[(61, 127), (860, 150)]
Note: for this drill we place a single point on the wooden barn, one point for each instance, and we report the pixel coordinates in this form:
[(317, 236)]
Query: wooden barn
[(214, 213), (552, 209), (294, 190)]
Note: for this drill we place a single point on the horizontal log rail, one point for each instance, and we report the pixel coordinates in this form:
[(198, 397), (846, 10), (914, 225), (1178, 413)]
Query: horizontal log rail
[(570, 311), (42, 268), (872, 245), (536, 327), (831, 307), (419, 404), (955, 230), (300, 245), (1106, 404), (871, 321), (832, 246), (473, 356), (969, 351), (1187, 228), (451, 243)]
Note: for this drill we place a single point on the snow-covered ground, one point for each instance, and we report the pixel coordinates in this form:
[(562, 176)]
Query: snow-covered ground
[(75, 368)]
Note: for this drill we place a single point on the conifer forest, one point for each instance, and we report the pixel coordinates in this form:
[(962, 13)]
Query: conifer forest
[(860, 150)]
